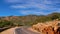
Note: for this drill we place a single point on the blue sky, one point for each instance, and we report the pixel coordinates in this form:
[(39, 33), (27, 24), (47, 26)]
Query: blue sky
[(26, 7)]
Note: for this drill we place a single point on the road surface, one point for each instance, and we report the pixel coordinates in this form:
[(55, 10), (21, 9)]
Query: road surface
[(24, 31)]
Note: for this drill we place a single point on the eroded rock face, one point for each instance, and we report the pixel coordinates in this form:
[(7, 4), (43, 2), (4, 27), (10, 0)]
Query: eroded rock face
[(57, 30), (48, 30), (51, 28)]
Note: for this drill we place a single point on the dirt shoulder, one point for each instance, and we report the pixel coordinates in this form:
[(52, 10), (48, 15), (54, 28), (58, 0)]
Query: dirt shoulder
[(9, 31)]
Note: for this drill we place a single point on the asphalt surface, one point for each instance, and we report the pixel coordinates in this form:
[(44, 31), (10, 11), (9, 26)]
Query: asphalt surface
[(24, 31)]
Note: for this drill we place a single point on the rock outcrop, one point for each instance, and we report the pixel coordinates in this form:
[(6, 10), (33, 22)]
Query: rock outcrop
[(48, 28)]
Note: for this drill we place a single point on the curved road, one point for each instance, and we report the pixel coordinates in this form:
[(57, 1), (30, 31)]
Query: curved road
[(24, 31)]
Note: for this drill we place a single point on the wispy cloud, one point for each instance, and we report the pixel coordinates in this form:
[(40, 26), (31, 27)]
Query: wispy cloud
[(43, 4), (17, 6), (35, 6), (31, 12)]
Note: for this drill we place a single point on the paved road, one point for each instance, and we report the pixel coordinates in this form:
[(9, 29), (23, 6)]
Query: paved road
[(24, 31)]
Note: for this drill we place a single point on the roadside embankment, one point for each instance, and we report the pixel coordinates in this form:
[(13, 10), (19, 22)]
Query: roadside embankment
[(9, 31)]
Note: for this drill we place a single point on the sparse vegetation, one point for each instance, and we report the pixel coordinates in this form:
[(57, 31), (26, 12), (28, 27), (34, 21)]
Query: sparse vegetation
[(27, 20)]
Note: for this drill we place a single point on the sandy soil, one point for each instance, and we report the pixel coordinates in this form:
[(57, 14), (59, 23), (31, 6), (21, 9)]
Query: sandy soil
[(9, 31)]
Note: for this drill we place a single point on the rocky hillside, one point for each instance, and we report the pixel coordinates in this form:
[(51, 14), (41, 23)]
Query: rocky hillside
[(27, 20), (52, 27)]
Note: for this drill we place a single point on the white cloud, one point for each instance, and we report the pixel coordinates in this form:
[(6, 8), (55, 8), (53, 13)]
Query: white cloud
[(17, 6), (39, 13), (27, 12), (40, 4), (47, 2)]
